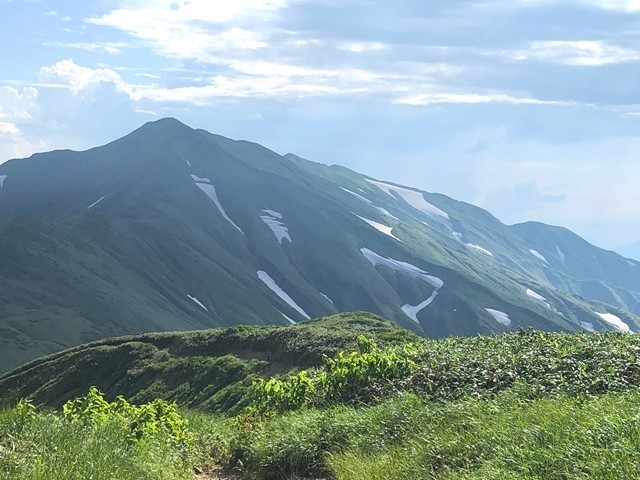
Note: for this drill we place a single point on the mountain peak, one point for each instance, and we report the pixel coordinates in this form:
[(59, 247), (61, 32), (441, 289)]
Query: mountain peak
[(164, 125), (159, 132)]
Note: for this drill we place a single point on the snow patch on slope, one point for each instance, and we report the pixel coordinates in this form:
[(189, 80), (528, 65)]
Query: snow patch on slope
[(197, 179), (459, 237), (499, 316), (479, 249), (357, 195), (368, 202), (270, 282), (291, 321), (415, 199), (273, 213), (272, 219), (198, 302), (380, 227), (403, 267), (537, 296), (384, 211), (2, 179), (414, 272), (588, 326), (538, 255), (207, 187), (325, 296), (615, 322), (96, 202), (561, 254), (412, 311)]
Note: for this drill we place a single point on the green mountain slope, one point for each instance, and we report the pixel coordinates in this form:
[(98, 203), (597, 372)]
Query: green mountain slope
[(209, 369), (174, 228)]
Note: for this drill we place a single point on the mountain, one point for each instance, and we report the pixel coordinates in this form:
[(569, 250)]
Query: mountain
[(631, 251), (171, 228)]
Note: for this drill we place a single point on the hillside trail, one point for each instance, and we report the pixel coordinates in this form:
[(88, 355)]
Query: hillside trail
[(214, 474)]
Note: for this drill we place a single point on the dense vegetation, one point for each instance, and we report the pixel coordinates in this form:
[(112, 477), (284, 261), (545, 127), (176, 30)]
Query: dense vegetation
[(208, 369), (525, 405), (93, 438)]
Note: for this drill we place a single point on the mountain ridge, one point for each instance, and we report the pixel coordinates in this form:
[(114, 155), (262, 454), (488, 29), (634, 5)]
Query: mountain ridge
[(171, 227)]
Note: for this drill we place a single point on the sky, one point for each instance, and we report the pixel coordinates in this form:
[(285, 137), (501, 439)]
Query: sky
[(528, 108)]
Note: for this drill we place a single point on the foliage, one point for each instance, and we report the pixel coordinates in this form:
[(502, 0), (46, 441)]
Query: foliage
[(345, 378), (546, 363), (210, 370), (157, 417), (405, 437), (537, 363), (25, 410), (43, 445), (526, 405)]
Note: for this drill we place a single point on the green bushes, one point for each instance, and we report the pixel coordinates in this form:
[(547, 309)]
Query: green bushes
[(543, 363), (348, 378), (151, 419), (537, 363)]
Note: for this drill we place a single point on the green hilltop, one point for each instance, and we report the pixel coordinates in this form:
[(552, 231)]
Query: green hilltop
[(207, 369)]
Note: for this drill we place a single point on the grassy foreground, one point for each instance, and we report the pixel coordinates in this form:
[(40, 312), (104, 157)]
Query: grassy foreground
[(402, 438), (46, 447), (525, 405)]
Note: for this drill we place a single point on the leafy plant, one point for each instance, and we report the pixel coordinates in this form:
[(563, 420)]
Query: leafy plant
[(25, 410), (156, 417), (349, 378)]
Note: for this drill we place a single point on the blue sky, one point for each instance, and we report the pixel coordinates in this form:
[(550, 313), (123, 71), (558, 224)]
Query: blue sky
[(529, 108)]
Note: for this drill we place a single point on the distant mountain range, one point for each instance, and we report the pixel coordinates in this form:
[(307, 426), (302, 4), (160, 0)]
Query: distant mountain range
[(171, 228)]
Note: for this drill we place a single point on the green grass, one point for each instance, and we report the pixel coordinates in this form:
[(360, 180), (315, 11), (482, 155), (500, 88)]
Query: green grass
[(407, 437), (404, 437), (526, 405), (49, 448)]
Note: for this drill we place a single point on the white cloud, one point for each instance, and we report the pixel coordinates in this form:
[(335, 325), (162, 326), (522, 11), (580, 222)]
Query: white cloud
[(361, 47), (108, 47), (16, 106), (436, 98), (584, 53), (14, 144), (261, 79), (78, 78), (245, 79), (524, 180), (6, 127), (197, 29), (625, 5)]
